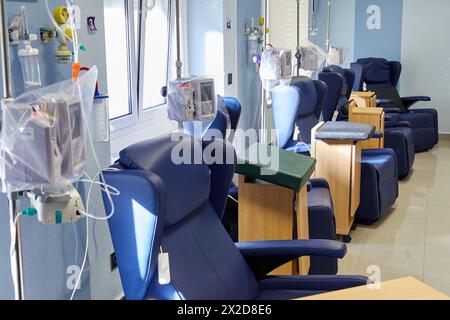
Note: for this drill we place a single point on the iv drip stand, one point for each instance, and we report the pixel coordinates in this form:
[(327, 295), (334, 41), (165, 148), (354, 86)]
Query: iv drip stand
[(13, 197), (179, 63), (298, 55), (328, 43)]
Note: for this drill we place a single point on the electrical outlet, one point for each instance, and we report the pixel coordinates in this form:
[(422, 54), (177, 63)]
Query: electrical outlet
[(114, 264)]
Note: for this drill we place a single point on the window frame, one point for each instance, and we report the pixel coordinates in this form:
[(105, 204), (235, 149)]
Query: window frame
[(139, 115)]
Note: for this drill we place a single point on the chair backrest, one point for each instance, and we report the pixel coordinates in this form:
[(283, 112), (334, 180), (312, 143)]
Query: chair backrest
[(376, 73), (298, 104), (176, 207), (380, 76), (222, 121), (340, 83)]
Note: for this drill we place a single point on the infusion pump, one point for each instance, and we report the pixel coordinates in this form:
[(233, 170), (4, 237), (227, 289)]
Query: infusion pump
[(43, 142), (44, 153)]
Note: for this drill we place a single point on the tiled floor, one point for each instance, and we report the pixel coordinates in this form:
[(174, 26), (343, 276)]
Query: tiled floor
[(414, 239)]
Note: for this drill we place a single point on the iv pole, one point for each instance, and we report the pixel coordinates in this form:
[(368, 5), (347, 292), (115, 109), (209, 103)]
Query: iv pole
[(179, 63), (13, 197), (298, 55), (328, 44)]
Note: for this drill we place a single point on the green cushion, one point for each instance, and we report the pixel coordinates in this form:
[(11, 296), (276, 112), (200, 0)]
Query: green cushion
[(293, 171)]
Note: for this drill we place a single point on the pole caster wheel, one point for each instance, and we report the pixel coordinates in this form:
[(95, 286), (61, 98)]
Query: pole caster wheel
[(346, 239)]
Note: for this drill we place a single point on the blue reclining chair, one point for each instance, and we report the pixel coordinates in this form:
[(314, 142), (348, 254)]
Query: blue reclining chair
[(320, 207), (379, 173), (382, 76), (299, 105), (398, 134), (177, 209), (222, 123)]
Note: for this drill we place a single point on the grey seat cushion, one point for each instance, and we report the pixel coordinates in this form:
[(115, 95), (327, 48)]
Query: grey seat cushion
[(342, 130)]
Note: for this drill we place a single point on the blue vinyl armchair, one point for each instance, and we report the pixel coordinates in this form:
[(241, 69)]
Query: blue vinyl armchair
[(382, 76), (320, 206), (398, 134), (379, 168), (177, 209)]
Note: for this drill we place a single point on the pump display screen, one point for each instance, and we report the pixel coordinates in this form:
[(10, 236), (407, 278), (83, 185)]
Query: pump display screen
[(206, 92)]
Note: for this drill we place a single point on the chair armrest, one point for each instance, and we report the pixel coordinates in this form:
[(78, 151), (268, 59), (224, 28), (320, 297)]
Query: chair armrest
[(384, 102), (392, 110), (397, 124), (410, 101), (367, 111), (319, 183), (377, 135), (265, 256)]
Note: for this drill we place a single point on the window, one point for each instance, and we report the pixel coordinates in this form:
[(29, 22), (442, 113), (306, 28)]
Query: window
[(117, 58), (155, 54), (139, 43)]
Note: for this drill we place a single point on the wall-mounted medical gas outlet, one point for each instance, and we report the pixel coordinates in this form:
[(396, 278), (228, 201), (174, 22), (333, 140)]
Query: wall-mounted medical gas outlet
[(65, 206), (47, 34)]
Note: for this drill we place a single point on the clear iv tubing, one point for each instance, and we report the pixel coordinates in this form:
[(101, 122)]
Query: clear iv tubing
[(74, 32), (93, 182)]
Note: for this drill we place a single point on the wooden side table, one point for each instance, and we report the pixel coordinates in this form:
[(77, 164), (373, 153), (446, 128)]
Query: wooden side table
[(266, 200)]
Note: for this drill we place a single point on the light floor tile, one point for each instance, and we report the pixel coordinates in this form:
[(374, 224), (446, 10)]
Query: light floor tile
[(439, 197), (348, 265), (392, 262), (439, 284), (396, 243), (437, 241), (395, 226), (408, 212), (414, 238), (359, 236), (437, 267), (438, 214), (417, 196)]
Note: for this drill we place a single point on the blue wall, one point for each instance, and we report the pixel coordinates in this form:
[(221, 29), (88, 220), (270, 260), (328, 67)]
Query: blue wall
[(349, 28), (343, 28), (386, 42), (321, 7), (49, 250)]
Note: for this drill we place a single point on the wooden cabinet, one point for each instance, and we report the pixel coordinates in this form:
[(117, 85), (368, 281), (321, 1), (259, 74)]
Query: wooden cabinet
[(372, 116), (364, 99), (266, 201), (339, 162)]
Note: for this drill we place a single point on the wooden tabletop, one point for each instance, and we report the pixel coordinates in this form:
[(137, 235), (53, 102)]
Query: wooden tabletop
[(401, 289)]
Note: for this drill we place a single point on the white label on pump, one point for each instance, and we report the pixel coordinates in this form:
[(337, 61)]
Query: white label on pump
[(164, 269), (335, 116)]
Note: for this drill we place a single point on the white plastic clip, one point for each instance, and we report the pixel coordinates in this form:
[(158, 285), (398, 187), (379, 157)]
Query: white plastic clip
[(164, 268), (335, 116)]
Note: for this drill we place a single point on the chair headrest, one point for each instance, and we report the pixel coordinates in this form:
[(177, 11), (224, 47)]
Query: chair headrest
[(189, 182), (341, 71), (308, 95), (234, 110), (376, 71), (285, 105)]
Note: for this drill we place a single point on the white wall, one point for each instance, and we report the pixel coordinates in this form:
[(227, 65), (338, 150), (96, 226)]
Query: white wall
[(425, 55)]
